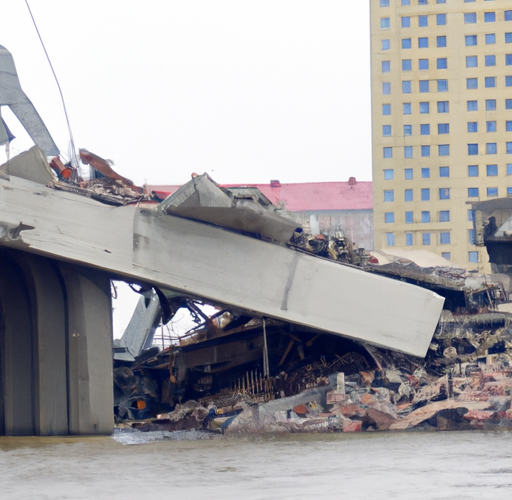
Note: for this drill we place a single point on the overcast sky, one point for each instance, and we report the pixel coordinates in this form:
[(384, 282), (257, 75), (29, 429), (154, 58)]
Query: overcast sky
[(247, 91)]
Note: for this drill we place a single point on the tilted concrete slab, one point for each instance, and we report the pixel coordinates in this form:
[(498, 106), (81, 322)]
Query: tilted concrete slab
[(219, 265)]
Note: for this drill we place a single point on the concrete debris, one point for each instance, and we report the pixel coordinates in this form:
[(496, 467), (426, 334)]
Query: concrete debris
[(214, 379)]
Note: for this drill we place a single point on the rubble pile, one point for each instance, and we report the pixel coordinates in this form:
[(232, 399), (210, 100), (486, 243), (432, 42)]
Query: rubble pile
[(465, 382)]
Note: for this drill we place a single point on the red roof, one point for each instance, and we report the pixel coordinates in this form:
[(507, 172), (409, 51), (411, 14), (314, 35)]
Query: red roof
[(306, 196)]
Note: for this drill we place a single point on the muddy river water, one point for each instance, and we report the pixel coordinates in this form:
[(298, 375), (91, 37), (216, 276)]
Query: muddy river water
[(380, 466)]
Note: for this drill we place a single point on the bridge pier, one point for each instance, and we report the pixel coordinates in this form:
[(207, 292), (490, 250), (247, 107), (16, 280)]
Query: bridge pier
[(55, 347)]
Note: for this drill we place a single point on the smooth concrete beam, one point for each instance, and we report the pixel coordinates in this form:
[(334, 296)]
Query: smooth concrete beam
[(16, 353), (91, 400), (48, 311)]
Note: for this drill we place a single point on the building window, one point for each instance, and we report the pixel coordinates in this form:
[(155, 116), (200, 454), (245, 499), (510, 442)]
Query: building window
[(389, 174), (407, 108), (508, 125), (445, 238), (390, 239), (389, 217), (425, 216), (490, 104), (422, 21), (471, 215), (508, 59), (424, 86), (441, 41), (386, 130), (490, 82), (490, 60), (426, 238), (492, 170), (508, 146), (509, 168), (508, 37), (442, 85), (406, 2), (386, 109), (425, 151), (444, 193), (508, 103), (384, 22), (441, 19), (489, 17), (444, 149), (472, 105), (406, 22), (444, 216), (472, 192), (491, 148), (408, 175), (386, 88), (389, 195), (492, 191), (446, 255), (440, 1), (425, 194), (409, 218), (388, 152), (472, 170), (385, 44), (508, 15), (471, 83), (443, 128), (423, 64), (386, 66), (471, 236), (406, 43), (406, 65), (442, 63), (472, 149), (444, 171), (408, 239), (471, 40), (407, 130), (407, 151), (509, 191), (472, 127), (490, 38), (470, 18), (490, 126), (425, 172), (406, 86), (473, 256), (424, 107), (443, 106), (425, 129), (423, 42), (471, 61), (408, 195), (384, 3), (508, 81)]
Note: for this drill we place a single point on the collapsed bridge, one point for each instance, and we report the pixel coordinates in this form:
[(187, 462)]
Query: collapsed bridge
[(61, 245)]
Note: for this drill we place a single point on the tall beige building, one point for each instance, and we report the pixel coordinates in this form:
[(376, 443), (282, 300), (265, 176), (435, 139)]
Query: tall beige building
[(442, 120)]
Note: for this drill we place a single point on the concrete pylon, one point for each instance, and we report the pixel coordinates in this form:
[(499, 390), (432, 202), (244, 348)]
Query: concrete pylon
[(55, 347)]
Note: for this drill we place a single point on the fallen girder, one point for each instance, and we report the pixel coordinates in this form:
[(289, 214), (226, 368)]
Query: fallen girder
[(197, 259)]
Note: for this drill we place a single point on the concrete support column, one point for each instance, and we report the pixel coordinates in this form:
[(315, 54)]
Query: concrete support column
[(89, 350), (55, 347), (17, 410), (48, 311)]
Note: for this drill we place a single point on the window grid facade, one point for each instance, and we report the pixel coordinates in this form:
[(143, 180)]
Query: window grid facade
[(461, 136)]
